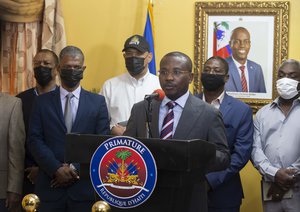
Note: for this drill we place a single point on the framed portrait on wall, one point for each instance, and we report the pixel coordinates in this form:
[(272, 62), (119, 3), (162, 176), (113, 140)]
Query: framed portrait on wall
[(265, 45)]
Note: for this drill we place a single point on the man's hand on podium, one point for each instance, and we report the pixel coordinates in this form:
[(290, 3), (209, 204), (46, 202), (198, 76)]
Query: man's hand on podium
[(118, 130), (64, 176)]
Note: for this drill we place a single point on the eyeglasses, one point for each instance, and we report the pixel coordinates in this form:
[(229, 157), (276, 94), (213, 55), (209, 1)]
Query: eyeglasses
[(175, 73)]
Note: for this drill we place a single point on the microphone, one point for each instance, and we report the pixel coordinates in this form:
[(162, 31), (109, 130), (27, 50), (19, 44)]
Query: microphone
[(158, 94)]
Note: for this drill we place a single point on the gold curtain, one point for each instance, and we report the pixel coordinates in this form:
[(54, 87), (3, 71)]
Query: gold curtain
[(21, 10), (26, 27)]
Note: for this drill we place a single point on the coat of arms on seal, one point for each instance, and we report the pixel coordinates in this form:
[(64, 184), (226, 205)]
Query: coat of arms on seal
[(123, 172)]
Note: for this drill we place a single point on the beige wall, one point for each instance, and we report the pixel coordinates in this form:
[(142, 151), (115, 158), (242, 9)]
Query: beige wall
[(100, 27)]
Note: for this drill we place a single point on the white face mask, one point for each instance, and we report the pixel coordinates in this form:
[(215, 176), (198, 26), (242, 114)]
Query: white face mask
[(287, 88)]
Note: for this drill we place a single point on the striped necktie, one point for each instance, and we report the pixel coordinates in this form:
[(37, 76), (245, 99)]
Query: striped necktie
[(167, 127), (243, 79)]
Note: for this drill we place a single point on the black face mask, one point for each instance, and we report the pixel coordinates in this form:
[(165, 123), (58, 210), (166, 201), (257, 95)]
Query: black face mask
[(71, 77), (43, 75), (212, 82), (135, 65)]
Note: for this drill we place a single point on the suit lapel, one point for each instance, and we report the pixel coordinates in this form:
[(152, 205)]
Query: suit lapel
[(236, 77), (57, 104), (189, 115), (80, 110), (251, 77), (155, 116), (225, 106)]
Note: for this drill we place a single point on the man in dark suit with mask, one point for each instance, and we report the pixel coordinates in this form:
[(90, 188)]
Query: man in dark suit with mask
[(68, 109), (237, 117), (45, 65), (123, 91), (180, 115)]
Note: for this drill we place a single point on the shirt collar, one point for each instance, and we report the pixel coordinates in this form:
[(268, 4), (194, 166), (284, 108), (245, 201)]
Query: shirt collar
[(180, 101), (275, 103), (64, 92), (238, 64), (219, 98), (36, 92)]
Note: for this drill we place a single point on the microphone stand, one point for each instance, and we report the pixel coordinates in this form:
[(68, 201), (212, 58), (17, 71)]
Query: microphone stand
[(149, 118)]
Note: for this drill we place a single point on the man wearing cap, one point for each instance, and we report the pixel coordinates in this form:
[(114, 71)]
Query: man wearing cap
[(123, 91)]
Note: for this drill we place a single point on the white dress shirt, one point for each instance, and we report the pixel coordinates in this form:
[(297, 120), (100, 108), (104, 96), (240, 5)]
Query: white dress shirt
[(216, 102), (74, 100), (178, 108), (123, 91)]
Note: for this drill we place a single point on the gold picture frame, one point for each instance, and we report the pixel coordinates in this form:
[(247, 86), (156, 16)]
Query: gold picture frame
[(267, 23)]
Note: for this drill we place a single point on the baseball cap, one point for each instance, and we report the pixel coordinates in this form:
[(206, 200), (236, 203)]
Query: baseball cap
[(137, 42)]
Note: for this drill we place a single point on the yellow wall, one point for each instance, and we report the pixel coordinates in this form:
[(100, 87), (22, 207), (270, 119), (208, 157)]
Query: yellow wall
[(100, 27)]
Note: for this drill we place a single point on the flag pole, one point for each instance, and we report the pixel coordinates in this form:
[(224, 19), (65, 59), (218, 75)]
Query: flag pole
[(149, 34)]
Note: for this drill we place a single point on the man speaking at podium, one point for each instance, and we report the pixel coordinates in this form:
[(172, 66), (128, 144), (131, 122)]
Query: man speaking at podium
[(67, 109), (180, 115)]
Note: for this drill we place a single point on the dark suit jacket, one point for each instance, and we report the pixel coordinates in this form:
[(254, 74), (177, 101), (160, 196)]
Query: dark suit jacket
[(27, 98), (46, 139), (198, 121), (226, 185), (256, 77)]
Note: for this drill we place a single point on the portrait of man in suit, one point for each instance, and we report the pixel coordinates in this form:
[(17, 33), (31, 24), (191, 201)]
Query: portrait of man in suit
[(180, 115), (237, 117), (67, 109), (244, 75)]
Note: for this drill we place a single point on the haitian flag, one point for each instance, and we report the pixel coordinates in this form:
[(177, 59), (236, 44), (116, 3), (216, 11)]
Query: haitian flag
[(149, 35), (221, 40)]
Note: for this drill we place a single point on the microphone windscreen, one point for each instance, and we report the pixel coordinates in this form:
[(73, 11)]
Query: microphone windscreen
[(161, 94)]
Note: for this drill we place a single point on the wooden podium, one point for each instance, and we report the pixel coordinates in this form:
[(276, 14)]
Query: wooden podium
[(181, 167)]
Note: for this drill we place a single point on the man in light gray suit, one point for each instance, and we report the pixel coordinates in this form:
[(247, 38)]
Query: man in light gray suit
[(192, 119), (12, 153), (244, 74)]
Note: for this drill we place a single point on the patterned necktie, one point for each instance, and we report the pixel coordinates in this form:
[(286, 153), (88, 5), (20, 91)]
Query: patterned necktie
[(167, 127), (243, 79), (68, 112)]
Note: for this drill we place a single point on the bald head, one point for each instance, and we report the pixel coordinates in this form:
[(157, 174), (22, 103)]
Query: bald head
[(291, 62), (240, 44), (238, 30), (71, 51)]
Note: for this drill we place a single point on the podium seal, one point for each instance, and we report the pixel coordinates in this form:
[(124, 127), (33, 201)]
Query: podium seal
[(123, 172)]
